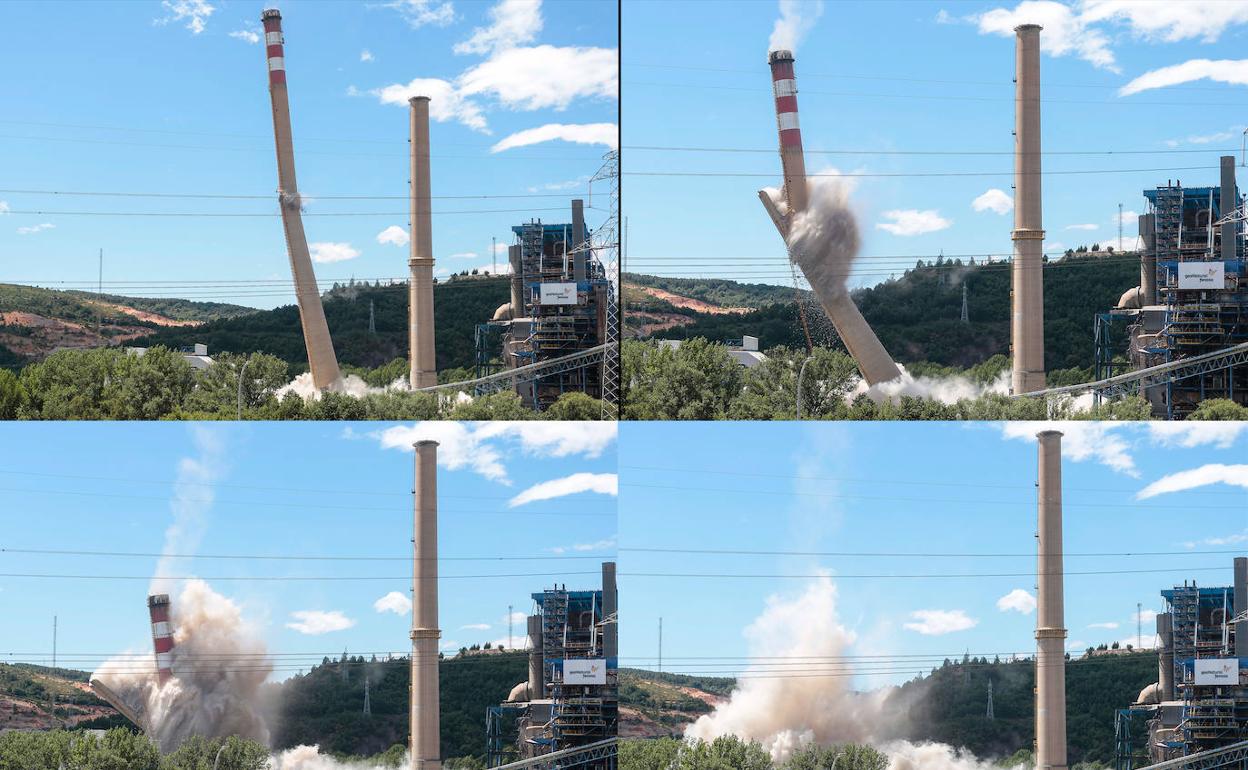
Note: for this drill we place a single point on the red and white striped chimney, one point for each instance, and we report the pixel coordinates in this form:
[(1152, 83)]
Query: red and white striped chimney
[(784, 85), (273, 40), (162, 635)]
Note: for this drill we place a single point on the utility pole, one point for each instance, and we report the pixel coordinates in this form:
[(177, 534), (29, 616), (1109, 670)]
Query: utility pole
[(494, 255), (372, 318), (660, 645), (53, 641), (990, 715), (965, 315), (99, 291), (1120, 227), (509, 611), (368, 707), (1139, 624)]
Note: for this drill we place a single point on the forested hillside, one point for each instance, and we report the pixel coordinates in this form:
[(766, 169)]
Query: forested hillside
[(916, 315)]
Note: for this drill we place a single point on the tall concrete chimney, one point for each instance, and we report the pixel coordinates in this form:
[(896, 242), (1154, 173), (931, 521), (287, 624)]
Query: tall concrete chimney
[(874, 362), (1050, 609), (424, 372), (610, 606), (162, 635), (1241, 606), (1165, 655), (321, 358), (537, 688), (1027, 299), (1230, 200), (517, 282), (1148, 259), (425, 716), (578, 237)]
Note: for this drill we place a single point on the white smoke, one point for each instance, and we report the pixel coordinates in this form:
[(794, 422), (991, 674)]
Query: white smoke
[(192, 499), (354, 386), (823, 239), (797, 17), (219, 664), (946, 390), (786, 713), (310, 758)]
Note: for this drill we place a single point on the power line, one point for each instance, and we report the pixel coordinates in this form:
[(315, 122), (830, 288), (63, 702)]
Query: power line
[(284, 578), (772, 151), (301, 557), (912, 174), (274, 196), (269, 215), (906, 554)]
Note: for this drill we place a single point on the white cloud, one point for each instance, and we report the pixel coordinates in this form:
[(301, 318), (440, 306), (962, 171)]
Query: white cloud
[(31, 230), (1108, 624), (476, 627), (1205, 475), (944, 17), (394, 235), (1228, 540), (332, 252), (4, 207), (1081, 441), (555, 439), (366, 55), (796, 19), (246, 35), (607, 134), (446, 102), (512, 23), (515, 617), (1217, 136), (394, 602), (536, 78), (465, 255), (1082, 227), (600, 483), (1018, 600), (939, 622), (317, 622), (1232, 71), (1065, 31), (907, 222), (1193, 434), (418, 13), (606, 544), (1169, 22), (459, 446), (1144, 616), (194, 12), (995, 200)]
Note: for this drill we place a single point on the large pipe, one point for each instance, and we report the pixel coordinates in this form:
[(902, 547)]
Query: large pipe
[(581, 257), (321, 358), (1027, 298), (1165, 656), (537, 689), (424, 372), (610, 608), (1241, 606), (874, 362), (162, 636), (425, 716), (1229, 202), (1050, 609), (1148, 259)]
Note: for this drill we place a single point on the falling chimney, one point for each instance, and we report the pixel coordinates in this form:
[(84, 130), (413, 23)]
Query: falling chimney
[(874, 362), (425, 717), (321, 358), (1027, 298), (162, 635), (424, 373), (1050, 609)]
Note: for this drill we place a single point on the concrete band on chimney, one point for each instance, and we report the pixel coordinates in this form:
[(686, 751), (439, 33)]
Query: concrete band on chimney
[(425, 714), (1027, 298), (1050, 608)]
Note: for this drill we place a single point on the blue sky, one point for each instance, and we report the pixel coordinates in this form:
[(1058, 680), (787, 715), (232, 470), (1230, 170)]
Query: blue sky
[(916, 76), (240, 482), (172, 97), (912, 488)]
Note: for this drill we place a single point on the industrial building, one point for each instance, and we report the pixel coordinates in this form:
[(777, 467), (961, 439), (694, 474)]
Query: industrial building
[(1200, 700), (560, 303), (570, 700), (1192, 299)]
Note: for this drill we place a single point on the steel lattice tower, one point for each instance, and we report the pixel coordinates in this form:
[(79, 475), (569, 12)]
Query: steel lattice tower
[(606, 242)]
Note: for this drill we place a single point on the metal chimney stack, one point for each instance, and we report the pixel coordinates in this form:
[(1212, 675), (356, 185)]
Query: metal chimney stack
[(424, 372), (1050, 609), (425, 715), (1230, 201), (1027, 299), (162, 635), (1241, 607), (321, 358), (874, 362), (580, 257)]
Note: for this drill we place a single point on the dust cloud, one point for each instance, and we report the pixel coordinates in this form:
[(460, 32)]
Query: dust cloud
[(308, 758), (946, 390)]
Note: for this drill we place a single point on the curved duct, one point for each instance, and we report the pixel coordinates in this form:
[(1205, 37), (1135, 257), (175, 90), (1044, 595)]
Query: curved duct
[(503, 313), (519, 693), (1149, 695), (1131, 299)]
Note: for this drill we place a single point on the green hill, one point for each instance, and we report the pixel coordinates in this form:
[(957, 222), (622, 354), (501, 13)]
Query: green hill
[(82, 306), (949, 704), (916, 315), (458, 307), (715, 291)]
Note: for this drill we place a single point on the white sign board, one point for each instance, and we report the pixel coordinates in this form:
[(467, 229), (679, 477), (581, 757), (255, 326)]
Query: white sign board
[(558, 294), (1224, 671), (585, 671), (1202, 275)]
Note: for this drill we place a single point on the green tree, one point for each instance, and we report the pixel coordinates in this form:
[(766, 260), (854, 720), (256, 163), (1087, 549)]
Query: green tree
[(575, 406), (1209, 409), (12, 395), (148, 386), (504, 405), (217, 387), (198, 753), (697, 381)]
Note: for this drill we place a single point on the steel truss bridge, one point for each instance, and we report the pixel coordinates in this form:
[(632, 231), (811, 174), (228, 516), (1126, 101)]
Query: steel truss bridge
[(1225, 758), (601, 751), (510, 378), (1135, 382)]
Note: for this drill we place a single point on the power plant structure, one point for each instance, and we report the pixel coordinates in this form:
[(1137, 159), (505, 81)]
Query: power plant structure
[(1192, 300), (425, 717), (827, 280), (1027, 270), (424, 371), (569, 706), (1198, 707), (560, 305), (1050, 608), (321, 358)]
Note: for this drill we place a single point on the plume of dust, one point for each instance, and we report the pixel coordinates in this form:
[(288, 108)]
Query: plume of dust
[(785, 714), (823, 239), (946, 390), (310, 758), (796, 19), (193, 496), (352, 385), (219, 665)]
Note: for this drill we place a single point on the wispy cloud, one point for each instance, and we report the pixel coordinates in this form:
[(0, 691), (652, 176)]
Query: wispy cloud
[(512, 23), (1111, 625), (317, 622), (246, 35), (1205, 475), (939, 622), (420, 13), (1097, 441), (606, 544), (1230, 71), (606, 134), (1188, 435), (33, 229), (599, 483), (1083, 227), (366, 55), (910, 222), (194, 12)]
